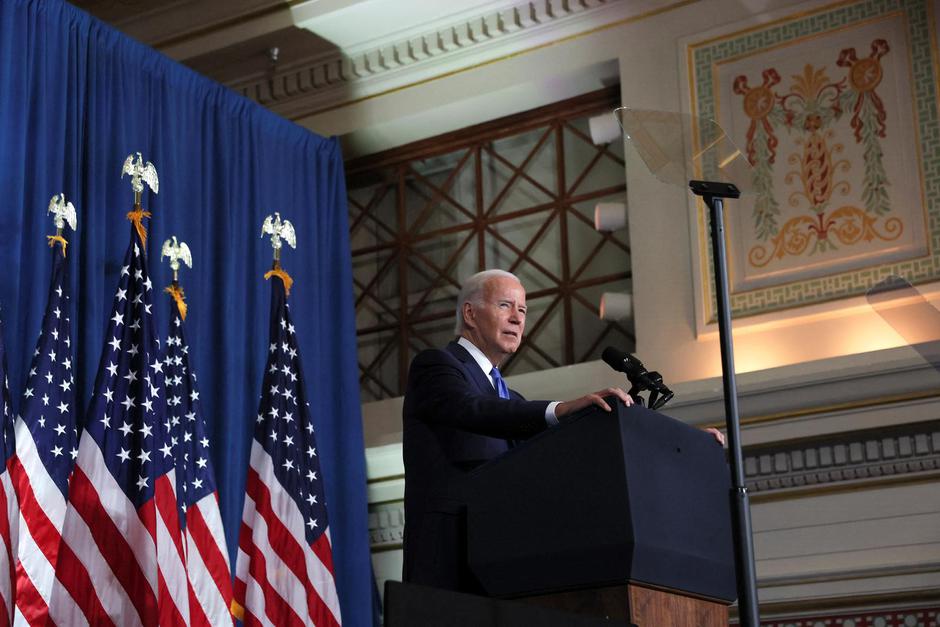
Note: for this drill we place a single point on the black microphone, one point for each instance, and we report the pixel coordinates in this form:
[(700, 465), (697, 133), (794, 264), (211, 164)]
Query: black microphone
[(627, 364), (636, 372)]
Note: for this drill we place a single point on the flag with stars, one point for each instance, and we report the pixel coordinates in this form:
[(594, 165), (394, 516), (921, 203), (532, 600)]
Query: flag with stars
[(8, 506), (46, 447), (284, 570), (121, 560), (207, 564)]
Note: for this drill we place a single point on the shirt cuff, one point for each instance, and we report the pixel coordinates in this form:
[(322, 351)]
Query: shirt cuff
[(550, 419)]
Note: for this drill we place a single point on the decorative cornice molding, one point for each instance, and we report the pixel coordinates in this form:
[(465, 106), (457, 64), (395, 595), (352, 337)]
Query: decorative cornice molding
[(386, 526), (847, 457), (324, 80)]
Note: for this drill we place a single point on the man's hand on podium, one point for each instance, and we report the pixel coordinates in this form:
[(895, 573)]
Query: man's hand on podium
[(566, 408), (718, 435), (597, 398)]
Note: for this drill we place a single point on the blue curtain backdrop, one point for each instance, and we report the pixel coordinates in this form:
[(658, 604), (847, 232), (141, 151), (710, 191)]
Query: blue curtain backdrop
[(76, 97)]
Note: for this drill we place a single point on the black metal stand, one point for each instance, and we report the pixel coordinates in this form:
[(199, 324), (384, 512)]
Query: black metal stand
[(749, 612)]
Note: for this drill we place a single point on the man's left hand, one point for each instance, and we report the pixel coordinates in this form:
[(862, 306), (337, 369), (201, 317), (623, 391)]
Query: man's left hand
[(718, 435), (597, 398)]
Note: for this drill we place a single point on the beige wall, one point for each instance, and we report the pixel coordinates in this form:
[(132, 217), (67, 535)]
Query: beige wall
[(814, 372)]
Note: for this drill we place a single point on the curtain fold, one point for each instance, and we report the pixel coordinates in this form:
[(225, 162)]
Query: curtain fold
[(76, 97)]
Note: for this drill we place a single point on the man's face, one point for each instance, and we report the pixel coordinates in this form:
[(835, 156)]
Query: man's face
[(495, 326)]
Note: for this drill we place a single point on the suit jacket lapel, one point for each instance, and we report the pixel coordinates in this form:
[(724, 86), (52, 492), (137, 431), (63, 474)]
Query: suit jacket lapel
[(483, 382), (484, 385)]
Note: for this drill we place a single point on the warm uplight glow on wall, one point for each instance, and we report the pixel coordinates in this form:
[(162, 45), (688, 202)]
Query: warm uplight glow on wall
[(857, 326), (828, 338), (822, 336), (754, 356)]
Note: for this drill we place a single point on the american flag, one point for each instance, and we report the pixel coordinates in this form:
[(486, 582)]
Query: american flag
[(121, 557), (206, 554), (46, 447), (8, 513), (284, 570)]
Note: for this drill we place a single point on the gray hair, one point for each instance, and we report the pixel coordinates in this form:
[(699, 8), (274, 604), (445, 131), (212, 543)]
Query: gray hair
[(472, 292)]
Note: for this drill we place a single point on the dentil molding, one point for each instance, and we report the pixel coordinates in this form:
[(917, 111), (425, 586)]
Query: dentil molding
[(342, 75)]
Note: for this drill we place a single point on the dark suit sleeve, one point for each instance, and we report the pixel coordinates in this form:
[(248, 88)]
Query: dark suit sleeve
[(439, 392)]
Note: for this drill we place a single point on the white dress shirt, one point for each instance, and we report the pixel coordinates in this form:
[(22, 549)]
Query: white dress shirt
[(486, 366)]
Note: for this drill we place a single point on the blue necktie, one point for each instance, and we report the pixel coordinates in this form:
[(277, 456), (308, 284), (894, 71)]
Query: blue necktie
[(499, 383)]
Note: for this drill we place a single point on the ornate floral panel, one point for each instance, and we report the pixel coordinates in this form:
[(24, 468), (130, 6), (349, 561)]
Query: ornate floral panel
[(836, 109)]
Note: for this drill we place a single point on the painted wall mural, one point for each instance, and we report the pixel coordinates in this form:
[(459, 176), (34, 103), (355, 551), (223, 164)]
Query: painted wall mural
[(836, 110), (809, 111)]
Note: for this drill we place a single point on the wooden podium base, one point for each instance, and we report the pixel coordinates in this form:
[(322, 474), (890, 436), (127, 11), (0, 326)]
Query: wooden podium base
[(641, 605)]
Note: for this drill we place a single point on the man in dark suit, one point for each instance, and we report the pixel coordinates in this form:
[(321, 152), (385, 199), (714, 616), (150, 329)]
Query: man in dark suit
[(458, 413)]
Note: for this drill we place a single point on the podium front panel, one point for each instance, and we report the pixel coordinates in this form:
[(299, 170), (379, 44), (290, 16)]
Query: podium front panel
[(680, 495), (606, 498)]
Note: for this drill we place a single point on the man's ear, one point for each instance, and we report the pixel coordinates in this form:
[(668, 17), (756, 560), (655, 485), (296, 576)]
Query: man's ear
[(468, 315)]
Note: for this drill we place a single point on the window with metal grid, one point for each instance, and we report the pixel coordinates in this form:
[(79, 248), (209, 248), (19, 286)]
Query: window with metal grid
[(516, 193)]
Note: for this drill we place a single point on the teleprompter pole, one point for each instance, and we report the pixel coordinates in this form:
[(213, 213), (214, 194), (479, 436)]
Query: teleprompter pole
[(748, 610)]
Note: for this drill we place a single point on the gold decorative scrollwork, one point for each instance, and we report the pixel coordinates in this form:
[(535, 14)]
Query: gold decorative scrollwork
[(791, 240), (848, 224), (852, 225)]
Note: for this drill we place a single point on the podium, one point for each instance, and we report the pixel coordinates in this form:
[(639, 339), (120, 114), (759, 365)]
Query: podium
[(624, 514), (414, 605)]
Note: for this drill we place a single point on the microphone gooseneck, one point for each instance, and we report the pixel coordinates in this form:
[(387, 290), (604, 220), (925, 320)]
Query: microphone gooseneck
[(640, 378)]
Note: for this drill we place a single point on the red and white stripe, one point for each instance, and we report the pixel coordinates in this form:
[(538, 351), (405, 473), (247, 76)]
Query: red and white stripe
[(41, 512), (118, 565), (8, 533), (173, 597), (207, 564), (279, 578)]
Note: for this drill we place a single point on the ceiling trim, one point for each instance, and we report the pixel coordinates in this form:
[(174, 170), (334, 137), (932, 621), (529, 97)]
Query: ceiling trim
[(336, 80)]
